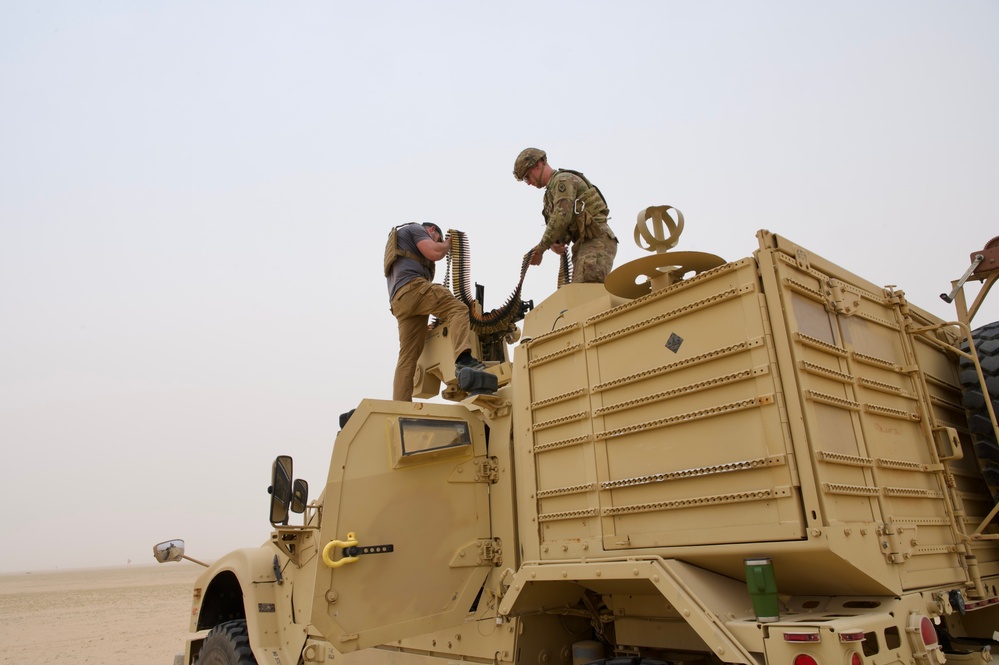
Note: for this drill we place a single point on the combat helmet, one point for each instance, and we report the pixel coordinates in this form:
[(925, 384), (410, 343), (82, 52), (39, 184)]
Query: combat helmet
[(526, 160)]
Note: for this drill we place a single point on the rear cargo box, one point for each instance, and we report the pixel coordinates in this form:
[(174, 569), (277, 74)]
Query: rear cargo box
[(777, 405)]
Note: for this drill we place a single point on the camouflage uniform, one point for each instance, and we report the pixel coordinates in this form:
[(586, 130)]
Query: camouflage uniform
[(575, 211)]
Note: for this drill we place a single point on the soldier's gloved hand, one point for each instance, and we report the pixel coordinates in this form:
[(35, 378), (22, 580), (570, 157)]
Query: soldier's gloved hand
[(559, 248)]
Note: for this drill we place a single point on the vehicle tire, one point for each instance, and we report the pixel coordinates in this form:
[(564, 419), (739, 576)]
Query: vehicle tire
[(983, 437), (227, 644)]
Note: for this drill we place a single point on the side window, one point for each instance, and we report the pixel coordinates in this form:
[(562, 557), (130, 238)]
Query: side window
[(423, 437)]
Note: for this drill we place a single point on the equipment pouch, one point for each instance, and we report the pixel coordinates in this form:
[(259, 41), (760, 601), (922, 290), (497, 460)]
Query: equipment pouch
[(391, 249)]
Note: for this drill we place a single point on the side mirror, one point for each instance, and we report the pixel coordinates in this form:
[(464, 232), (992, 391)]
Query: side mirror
[(299, 495), (170, 550), (281, 489)]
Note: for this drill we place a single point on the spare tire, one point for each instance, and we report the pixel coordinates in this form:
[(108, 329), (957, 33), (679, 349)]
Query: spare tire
[(983, 436)]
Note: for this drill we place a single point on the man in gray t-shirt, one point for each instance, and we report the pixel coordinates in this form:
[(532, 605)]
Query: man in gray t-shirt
[(414, 297)]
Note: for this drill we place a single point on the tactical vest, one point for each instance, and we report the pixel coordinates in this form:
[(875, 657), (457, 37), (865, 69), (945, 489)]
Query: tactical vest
[(393, 251), (591, 211)]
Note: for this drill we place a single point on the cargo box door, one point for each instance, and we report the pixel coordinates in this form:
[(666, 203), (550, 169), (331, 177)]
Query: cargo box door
[(867, 419), (658, 423), (405, 543)]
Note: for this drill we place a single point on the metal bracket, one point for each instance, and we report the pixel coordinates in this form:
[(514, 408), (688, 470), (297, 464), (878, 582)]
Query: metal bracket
[(959, 284), (357, 550), (277, 570), (801, 258)]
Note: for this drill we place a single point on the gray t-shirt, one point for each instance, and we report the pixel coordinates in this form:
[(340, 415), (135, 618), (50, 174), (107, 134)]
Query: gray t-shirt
[(405, 270)]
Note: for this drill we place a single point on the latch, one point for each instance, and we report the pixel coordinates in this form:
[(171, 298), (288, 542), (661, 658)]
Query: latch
[(351, 551), (488, 470), (477, 470), (492, 552), (485, 552)]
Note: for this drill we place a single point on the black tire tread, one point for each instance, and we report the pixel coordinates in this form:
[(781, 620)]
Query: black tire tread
[(227, 644), (986, 340)]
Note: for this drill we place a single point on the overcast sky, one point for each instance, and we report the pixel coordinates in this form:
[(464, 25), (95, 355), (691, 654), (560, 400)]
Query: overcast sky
[(194, 198)]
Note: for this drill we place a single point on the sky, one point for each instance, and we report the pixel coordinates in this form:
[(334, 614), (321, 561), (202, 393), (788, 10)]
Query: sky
[(194, 199)]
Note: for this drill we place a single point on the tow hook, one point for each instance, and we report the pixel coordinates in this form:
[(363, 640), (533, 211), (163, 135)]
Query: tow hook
[(351, 550)]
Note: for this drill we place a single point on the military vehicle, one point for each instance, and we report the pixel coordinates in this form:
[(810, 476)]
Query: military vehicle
[(762, 461)]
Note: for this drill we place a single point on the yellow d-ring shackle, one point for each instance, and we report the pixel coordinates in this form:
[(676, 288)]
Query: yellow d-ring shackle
[(350, 542)]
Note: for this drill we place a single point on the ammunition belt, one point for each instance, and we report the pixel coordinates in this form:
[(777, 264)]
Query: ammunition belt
[(503, 318)]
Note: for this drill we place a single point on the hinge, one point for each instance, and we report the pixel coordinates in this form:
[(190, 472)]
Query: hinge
[(896, 544), (840, 300)]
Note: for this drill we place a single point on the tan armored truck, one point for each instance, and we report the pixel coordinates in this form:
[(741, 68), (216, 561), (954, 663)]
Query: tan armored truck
[(762, 461)]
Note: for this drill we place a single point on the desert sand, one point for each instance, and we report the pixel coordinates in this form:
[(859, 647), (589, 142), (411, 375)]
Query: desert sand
[(105, 616)]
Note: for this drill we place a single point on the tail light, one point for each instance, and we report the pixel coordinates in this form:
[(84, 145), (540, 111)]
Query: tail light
[(923, 639), (927, 632)]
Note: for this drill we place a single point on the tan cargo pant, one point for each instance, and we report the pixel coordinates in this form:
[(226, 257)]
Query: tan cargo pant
[(412, 306)]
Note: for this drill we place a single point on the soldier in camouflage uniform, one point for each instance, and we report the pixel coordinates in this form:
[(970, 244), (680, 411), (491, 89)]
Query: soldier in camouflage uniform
[(575, 212)]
